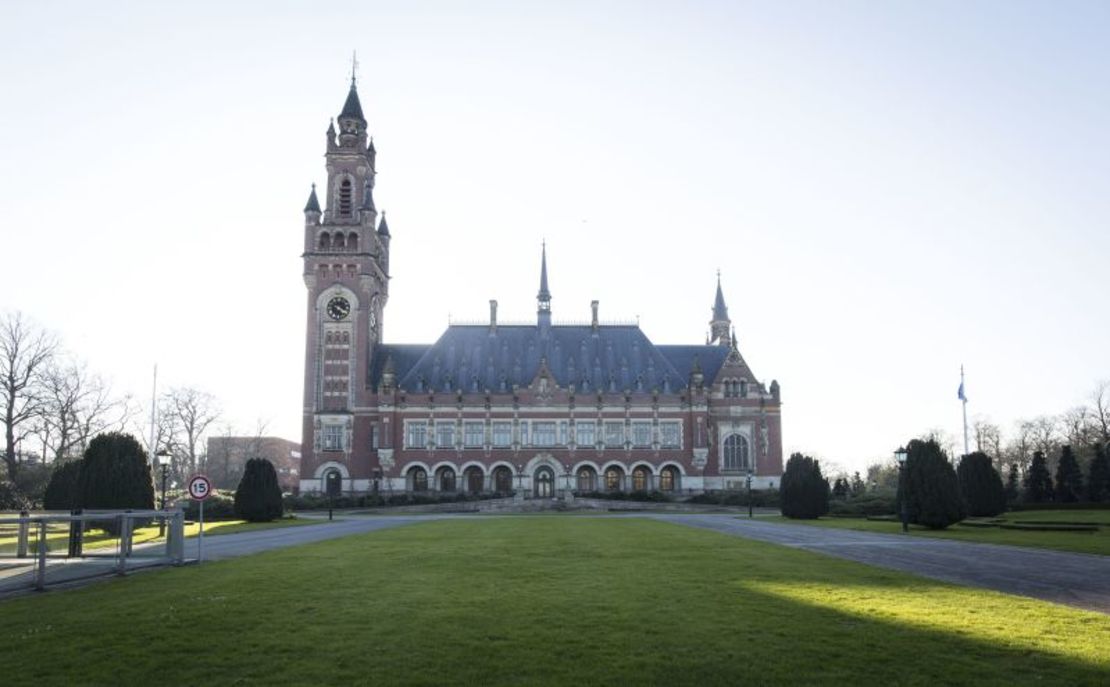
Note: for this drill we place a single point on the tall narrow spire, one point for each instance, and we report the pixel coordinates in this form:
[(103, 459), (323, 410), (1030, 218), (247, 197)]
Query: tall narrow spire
[(313, 204), (720, 310), (544, 296)]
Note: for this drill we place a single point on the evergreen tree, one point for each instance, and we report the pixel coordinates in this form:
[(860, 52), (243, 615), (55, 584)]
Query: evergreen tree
[(840, 488), (930, 487), (1038, 483), (1098, 481), (62, 490), (1013, 491), (1069, 478), (803, 491), (258, 496), (981, 485), (115, 475)]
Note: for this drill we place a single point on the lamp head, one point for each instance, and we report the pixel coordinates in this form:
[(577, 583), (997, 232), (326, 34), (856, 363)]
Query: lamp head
[(900, 455)]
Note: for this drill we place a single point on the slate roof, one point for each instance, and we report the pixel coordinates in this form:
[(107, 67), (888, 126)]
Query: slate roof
[(313, 205), (615, 358), (352, 108)]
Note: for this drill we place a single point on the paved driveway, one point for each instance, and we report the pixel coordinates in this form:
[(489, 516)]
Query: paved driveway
[(1075, 579)]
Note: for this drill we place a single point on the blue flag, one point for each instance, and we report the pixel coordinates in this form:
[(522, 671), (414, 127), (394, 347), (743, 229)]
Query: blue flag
[(960, 393)]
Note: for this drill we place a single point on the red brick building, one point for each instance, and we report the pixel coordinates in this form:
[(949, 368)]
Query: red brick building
[(227, 457), (539, 408)]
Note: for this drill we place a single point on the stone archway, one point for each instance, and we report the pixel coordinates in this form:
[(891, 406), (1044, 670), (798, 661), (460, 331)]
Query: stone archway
[(543, 483)]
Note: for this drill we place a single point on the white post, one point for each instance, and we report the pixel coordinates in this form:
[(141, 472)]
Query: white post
[(200, 535), (966, 446), (40, 574)]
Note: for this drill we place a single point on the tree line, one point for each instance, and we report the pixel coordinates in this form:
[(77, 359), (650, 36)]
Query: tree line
[(52, 406)]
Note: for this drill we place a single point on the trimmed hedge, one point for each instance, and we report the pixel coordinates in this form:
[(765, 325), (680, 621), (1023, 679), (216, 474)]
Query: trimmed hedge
[(865, 505), (1055, 527), (1073, 505), (761, 498)]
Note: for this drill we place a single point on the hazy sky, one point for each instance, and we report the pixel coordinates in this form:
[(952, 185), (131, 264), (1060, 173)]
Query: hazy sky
[(889, 189)]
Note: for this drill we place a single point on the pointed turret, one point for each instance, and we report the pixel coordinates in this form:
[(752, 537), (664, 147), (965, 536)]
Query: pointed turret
[(313, 204), (383, 228), (720, 324)]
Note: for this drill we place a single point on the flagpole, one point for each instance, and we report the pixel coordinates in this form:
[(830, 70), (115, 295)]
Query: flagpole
[(964, 399)]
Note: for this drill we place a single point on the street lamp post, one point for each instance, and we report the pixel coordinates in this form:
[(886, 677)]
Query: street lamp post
[(749, 493), (163, 458), (900, 456)]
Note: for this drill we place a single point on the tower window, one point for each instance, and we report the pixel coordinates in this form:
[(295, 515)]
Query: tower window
[(352, 241), (345, 199)]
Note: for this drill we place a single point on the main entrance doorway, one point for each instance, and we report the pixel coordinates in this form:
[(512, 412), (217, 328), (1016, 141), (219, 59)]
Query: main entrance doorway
[(544, 483)]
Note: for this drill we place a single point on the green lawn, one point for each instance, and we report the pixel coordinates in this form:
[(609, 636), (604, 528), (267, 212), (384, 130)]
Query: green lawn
[(1081, 542), (57, 536), (534, 601)]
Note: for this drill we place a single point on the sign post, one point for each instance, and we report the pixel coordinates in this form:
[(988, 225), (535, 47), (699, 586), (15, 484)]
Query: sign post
[(200, 488)]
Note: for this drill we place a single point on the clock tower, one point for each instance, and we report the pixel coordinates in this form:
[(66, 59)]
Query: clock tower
[(346, 273)]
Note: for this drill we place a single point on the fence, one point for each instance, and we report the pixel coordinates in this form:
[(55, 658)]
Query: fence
[(49, 548)]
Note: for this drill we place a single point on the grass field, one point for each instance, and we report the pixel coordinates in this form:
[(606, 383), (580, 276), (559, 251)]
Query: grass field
[(57, 536), (1081, 542), (527, 601)]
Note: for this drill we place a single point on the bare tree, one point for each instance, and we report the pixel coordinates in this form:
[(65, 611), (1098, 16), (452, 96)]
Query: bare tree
[(1019, 450), (186, 414), (944, 439), (1100, 410), (77, 405), (25, 352), (988, 439)]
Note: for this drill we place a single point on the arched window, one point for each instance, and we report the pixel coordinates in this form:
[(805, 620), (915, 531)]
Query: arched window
[(352, 241), (446, 479), (737, 453), (640, 479), (345, 198), (419, 479), (475, 481), (503, 480), (587, 480), (333, 483), (337, 242), (668, 479), (613, 477), (325, 241), (743, 388)]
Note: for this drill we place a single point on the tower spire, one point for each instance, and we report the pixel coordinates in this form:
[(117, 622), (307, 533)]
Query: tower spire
[(720, 324)]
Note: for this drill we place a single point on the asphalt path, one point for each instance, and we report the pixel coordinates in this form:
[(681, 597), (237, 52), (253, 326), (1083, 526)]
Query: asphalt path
[(1075, 579)]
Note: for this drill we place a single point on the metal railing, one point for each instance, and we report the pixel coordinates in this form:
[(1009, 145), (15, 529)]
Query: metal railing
[(39, 549)]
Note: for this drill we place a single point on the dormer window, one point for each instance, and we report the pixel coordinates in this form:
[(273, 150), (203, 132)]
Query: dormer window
[(345, 198)]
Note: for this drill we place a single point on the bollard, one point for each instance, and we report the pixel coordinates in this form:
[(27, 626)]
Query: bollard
[(124, 542), (175, 537), (40, 574), (76, 534), (24, 527)]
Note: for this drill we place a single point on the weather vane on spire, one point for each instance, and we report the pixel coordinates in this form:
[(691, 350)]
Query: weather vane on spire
[(354, 66)]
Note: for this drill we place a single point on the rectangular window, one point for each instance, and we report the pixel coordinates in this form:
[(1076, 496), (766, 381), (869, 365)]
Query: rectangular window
[(586, 433), (445, 435), (502, 434), (416, 434), (641, 434), (543, 433), (614, 434), (334, 438), (524, 433), (474, 434), (670, 434), (563, 433)]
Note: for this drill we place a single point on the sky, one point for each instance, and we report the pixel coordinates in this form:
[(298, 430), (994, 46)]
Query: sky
[(890, 190)]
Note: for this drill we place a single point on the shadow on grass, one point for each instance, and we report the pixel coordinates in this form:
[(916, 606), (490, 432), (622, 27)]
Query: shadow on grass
[(549, 601)]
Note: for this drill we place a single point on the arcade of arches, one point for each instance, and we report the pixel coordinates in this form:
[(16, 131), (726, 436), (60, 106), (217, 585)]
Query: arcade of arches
[(543, 482)]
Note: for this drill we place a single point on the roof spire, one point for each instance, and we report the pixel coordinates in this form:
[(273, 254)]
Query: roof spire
[(544, 296), (354, 68), (720, 310), (383, 228), (352, 108)]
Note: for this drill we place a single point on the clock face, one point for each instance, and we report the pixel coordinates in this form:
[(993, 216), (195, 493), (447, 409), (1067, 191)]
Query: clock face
[(338, 308)]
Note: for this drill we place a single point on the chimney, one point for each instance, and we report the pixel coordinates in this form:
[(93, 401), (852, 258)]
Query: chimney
[(593, 321), (492, 317)]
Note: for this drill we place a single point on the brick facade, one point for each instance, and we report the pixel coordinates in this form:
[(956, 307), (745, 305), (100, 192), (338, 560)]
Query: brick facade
[(538, 408)]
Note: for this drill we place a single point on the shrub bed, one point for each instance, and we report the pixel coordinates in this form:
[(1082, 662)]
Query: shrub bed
[(1055, 527), (863, 506), (761, 498)]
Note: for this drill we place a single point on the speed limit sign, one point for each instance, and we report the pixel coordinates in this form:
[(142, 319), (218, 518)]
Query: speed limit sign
[(199, 488)]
